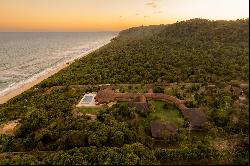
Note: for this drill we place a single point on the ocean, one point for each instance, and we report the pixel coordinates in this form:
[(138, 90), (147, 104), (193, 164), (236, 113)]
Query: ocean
[(24, 56)]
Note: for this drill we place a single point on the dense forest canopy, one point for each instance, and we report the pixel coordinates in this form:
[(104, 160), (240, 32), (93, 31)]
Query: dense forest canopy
[(196, 50), (202, 59)]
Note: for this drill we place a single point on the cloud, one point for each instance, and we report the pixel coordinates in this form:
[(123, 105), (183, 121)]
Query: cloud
[(151, 4), (158, 12)]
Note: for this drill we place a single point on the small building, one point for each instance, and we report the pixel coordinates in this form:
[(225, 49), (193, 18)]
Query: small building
[(141, 107), (236, 90), (105, 96), (195, 116), (161, 130)]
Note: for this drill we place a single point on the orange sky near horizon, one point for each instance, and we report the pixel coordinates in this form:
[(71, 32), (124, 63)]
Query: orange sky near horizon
[(111, 15)]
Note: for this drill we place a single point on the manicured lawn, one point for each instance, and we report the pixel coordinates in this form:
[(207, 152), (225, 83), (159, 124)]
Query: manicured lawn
[(123, 103), (89, 110), (171, 114)]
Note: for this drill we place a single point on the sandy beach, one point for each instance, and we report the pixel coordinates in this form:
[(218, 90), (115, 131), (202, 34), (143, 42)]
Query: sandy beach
[(21, 89), (15, 92)]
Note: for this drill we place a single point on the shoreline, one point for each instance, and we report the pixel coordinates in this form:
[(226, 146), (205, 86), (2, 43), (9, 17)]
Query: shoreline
[(29, 84)]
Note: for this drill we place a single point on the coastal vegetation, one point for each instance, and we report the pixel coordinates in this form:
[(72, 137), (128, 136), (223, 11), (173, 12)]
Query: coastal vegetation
[(196, 60), (196, 50)]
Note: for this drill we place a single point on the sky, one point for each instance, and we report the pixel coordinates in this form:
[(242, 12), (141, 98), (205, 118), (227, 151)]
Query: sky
[(111, 15)]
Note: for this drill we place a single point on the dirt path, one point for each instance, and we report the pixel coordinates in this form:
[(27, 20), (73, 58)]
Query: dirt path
[(10, 127)]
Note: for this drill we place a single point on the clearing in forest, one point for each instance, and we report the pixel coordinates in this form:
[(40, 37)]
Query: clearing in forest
[(10, 127), (166, 113)]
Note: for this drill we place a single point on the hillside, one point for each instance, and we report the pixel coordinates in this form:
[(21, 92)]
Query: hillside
[(201, 62), (196, 50)]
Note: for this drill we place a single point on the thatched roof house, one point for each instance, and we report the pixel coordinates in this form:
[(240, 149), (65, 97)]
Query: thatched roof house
[(195, 116), (105, 96), (159, 129), (236, 90), (140, 106)]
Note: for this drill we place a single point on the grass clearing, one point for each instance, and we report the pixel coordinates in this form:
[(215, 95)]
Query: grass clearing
[(170, 114), (89, 110), (123, 103)]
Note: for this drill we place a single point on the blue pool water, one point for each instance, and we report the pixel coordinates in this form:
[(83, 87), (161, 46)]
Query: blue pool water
[(87, 99)]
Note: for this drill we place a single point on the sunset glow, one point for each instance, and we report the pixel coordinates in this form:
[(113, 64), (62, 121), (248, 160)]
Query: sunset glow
[(110, 15)]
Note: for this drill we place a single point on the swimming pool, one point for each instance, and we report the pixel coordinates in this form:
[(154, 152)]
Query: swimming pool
[(87, 99)]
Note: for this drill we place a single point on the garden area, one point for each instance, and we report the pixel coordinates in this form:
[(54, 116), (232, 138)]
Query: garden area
[(166, 113)]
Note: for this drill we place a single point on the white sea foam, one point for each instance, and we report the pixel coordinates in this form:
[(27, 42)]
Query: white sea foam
[(19, 74)]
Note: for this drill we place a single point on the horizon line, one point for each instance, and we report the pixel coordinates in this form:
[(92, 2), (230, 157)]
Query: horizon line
[(117, 31), (56, 31)]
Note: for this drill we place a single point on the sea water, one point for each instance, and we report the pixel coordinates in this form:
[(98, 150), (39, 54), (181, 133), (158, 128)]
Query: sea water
[(24, 56)]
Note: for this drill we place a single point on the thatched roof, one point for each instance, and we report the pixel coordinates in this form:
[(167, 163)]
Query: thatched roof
[(140, 106), (105, 96), (158, 128), (143, 99), (195, 116), (236, 90)]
